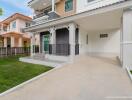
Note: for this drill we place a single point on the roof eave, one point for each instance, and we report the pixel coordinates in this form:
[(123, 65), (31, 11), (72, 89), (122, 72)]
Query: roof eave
[(119, 5)]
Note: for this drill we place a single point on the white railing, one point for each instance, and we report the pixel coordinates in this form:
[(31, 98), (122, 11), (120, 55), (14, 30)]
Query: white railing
[(41, 19)]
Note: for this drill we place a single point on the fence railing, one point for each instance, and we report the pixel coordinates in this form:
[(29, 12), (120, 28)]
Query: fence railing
[(59, 49), (62, 49), (6, 51)]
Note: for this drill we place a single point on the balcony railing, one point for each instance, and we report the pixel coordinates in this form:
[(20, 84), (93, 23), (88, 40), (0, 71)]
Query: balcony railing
[(45, 17), (62, 49), (39, 15), (59, 49)]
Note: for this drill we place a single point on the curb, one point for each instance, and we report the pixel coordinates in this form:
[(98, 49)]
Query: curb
[(29, 81)]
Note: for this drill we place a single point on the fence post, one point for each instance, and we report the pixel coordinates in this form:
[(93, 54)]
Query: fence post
[(0, 52), (6, 51), (15, 52)]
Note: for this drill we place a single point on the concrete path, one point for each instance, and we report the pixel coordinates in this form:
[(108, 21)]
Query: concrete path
[(89, 78)]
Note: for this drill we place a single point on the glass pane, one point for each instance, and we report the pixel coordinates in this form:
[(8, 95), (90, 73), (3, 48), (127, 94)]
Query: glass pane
[(46, 43), (68, 5), (14, 24)]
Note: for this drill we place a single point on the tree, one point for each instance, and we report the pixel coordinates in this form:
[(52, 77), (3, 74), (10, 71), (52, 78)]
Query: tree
[(1, 11)]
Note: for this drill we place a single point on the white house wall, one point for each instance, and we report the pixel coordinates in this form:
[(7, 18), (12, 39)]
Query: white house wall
[(84, 47), (109, 46), (20, 24), (83, 5)]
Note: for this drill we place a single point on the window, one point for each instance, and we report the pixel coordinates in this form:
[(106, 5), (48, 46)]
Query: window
[(103, 35), (27, 24), (68, 5), (14, 24)]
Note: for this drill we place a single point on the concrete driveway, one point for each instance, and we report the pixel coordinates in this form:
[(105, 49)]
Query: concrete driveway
[(89, 78)]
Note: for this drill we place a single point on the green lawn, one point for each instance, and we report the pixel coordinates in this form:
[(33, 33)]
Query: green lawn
[(13, 72)]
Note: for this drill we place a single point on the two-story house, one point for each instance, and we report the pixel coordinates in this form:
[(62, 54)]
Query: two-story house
[(72, 27), (11, 31)]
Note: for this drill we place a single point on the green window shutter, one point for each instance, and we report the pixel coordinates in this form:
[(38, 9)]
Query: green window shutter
[(68, 5)]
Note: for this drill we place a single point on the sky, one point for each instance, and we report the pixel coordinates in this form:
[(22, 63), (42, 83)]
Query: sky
[(14, 6)]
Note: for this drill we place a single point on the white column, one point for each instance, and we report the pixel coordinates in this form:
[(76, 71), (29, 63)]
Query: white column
[(32, 44), (20, 42), (127, 39), (40, 43), (12, 41), (53, 40), (5, 41), (53, 5), (53, 36), (72, 29)]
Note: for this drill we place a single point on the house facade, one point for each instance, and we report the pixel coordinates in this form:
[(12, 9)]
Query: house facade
[(85, 5), (11, 34), (73, 27)]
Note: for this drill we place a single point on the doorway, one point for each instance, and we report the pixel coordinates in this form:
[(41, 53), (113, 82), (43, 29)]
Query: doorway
[(45, 43)]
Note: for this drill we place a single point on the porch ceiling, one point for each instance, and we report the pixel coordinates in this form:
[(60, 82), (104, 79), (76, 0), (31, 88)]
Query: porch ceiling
[(41, 4), (101, 22)]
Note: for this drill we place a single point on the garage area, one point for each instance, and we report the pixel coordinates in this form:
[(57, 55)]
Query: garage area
[(100, 34)]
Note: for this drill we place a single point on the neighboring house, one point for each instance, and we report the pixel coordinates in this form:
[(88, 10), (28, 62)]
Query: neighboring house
[(72, 27), (11, 34)]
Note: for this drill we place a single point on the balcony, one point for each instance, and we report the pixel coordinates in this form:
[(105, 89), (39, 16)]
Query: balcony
[(40, 18), (41, 4), (3, 31), (44, 10), (43, 17)]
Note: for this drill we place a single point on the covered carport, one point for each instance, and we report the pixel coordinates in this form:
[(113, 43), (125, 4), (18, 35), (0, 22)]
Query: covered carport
[(100, 33)]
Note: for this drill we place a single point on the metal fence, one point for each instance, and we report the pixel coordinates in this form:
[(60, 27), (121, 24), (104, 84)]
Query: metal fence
[(59, 49), (62, 49), (6, 51)]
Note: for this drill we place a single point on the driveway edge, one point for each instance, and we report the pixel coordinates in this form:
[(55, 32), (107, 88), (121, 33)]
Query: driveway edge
[(28, 81)]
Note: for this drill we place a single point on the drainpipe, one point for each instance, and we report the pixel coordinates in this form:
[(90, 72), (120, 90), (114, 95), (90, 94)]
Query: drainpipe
[(53, 5)]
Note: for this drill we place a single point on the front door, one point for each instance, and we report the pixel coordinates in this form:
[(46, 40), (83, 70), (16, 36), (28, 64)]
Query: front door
[(46, 43)]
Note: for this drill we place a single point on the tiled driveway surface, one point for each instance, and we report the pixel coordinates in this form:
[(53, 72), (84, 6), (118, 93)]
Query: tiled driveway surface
[(89, 78)]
